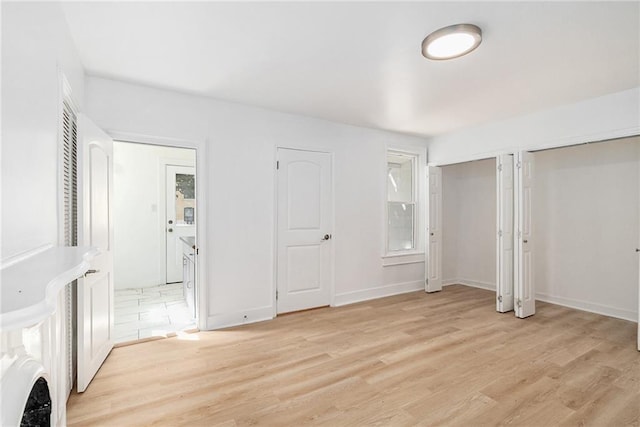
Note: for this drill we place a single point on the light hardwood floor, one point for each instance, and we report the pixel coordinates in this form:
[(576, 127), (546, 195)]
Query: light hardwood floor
[(414, 359)]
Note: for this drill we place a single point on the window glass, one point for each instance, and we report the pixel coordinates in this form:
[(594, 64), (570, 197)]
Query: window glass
[(399, 178), (401, 215), (401, 220), (185, 198)]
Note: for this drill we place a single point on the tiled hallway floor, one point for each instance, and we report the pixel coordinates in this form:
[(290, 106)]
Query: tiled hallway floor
[(153, 311)]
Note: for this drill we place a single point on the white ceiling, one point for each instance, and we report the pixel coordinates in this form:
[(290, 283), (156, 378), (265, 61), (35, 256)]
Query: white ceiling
[(360, 63)]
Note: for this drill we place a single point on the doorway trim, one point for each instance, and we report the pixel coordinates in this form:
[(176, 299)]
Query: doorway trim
[(274, 279), (200, 147)]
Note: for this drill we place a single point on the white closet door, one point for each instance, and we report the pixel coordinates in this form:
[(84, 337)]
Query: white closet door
[(434, 231), (505, 243), (305, 227), (525, 298), (95, 223)]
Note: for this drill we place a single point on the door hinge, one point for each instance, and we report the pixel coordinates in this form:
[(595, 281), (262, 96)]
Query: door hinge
[(500, 298), (276, 295), (427, 281), (519, 303), (519, 234), (277, 164), (518, 165), (499, 233), (500, 168)]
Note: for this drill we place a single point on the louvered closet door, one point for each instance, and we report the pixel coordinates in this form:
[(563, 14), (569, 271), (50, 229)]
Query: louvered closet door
[(70, 236)]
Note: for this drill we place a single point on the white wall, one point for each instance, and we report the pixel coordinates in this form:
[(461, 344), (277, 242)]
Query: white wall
[(240, 144), (36, 49), (138, 218), (610, 116), (586, 226), (469, 223)]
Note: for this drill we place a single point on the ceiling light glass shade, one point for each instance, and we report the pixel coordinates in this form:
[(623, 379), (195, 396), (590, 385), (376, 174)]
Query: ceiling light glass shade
[(451, 42)]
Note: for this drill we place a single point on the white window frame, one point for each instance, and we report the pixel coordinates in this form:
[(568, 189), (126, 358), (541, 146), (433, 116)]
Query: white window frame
[(415, 255)]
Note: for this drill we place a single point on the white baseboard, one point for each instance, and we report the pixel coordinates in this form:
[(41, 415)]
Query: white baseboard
[(468, 282), (377, 292), (226, 320), (589, 306)]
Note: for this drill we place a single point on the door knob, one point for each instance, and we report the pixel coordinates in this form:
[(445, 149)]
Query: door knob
[(326, 237), (170, 230), (170, 221), (525, 241), (637, 249)]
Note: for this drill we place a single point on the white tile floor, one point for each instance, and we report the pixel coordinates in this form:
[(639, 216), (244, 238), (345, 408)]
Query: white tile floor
[(153, 311)]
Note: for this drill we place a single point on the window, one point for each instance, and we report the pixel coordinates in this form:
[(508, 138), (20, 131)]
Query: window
[(401, 202)]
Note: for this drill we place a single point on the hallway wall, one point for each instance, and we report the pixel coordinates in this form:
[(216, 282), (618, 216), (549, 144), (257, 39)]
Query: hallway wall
[(138, 212), (238, 146)]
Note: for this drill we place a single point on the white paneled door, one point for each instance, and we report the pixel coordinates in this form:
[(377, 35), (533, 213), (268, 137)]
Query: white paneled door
[(524, 287), (305, 227), (505, 253), (434, 231), (95, 228), (180, 216)]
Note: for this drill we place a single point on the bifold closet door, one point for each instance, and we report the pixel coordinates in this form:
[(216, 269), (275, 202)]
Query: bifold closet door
[(524, 286), (505, 241), (434, 230)]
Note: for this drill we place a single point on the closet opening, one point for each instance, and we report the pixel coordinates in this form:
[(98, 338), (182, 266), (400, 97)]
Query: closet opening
[(587, 226), (469, 225)]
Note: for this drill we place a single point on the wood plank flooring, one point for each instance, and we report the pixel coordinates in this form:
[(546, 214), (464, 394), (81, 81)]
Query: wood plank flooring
[(414, 359)]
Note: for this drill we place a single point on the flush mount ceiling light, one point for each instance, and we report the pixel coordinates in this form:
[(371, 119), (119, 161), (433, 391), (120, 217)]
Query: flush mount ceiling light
[(451, 42)]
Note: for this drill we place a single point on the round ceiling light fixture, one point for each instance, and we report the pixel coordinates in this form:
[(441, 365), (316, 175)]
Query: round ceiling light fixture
[(451, 42)]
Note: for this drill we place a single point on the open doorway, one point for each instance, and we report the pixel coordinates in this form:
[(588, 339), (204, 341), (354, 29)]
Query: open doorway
[(587, 226), (471, 227), (469, 212), (155, 219)]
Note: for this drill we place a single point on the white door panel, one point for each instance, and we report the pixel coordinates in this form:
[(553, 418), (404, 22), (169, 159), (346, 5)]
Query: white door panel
[(175, 225), (525, 299), (505, 246), (304, 269), (434, 230), (95, 290)]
